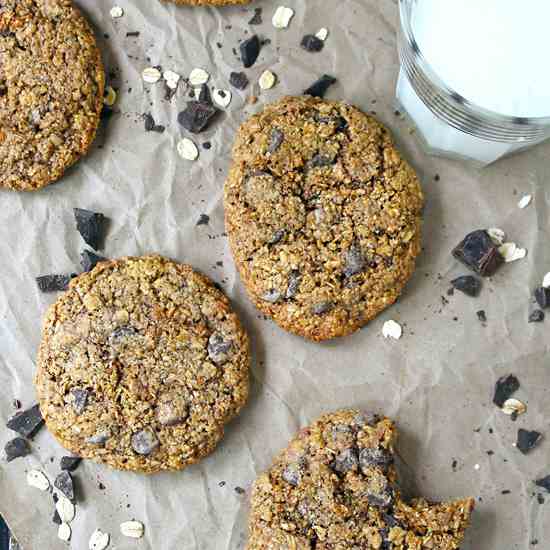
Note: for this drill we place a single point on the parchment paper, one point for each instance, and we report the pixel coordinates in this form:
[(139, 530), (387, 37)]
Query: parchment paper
[(437, 381)]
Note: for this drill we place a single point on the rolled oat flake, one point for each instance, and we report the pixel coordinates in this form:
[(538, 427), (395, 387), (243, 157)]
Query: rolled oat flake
[(187, 149), (99, 540), (151, 75), (132, 529), (267, 80), (37, 479)]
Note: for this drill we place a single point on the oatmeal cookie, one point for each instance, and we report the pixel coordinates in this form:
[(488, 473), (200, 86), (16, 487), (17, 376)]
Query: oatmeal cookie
[(335, 486), (141, 364), (323, 216), (51, 90)]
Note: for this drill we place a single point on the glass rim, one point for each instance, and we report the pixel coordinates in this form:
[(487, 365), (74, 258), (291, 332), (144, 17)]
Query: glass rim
[(453, 96)]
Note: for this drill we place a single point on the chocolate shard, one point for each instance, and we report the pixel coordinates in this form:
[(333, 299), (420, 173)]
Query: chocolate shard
[(479, 253), (250, 50), (56, 517), (275, 140), (64, 483), (197, 116), (542, 296), (151, 125), (145, 442), (204, 219), (312, 43), (91, 225), (527, 440), (505, 387), (536, 316), (88, 260), (26, 423), (468, 284), (257, 17), (319, 87), (16, 448), (54, 283), (238, 80), (544, 483), (69, 463), (204, 95)]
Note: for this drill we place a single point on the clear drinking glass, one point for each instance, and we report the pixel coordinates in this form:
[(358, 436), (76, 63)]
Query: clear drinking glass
[(449, 124)]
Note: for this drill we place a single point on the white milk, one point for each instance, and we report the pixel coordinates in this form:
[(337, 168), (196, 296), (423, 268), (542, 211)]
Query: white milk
[(494, 53)]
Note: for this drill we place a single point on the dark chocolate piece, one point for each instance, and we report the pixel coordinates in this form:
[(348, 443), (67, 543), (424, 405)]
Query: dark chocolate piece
[(544, 483), (151, 126), (542, 296), (238, 80), (319, 87), (69, 463), (54, 283), (536, 316), (64, 483), (56, 517), (468, 284), (312, 43), (257, 17), (145, 442), (505, 387), (481, 315), (275, 140), (527, 440), (197, 116), (204, 219), (250, 50), (479, 253), (204, 95), (88, 260), (91, 226), (80, 400), (26, 423), (16, 448)]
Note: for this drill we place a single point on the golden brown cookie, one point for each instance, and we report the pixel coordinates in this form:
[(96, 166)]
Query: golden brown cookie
[(335, 486), (323, 215), (51, 90), (141, 364)]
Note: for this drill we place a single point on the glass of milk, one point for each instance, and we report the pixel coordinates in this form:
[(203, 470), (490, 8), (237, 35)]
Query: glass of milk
[(475, 76)]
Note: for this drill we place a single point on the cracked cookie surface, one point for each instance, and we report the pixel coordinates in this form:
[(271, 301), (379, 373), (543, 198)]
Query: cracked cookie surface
[(335, 487), (323, 216), (141, 364), (51, 90)]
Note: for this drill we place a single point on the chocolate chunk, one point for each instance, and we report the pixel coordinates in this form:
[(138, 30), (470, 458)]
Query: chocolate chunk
[(151, 126), (80, 400), (54, 283), (238, 80), (145, 442), (64, 483), (369, 457), (272, 296), (250, 49), (16, 448), (312, 43), (505, 387), (204, 219), (319, 87), (278, 236), (536, 316), (364, 419), (527, 440), (542, 296), (99, 438), (468, 284), (481, 315), (69, 463), (121, 333), (257, 17), (321, 307), (479, 253), (320, 161), (197, 116), (89, 259), (346, 461), (172, 410), (240, 490), (381, 499), (26, 423), (218, 348), (292, 475), (544, 483), (354, 262), (91, 225), (294, 280), (204, 95), (56, 517), (275, 141)]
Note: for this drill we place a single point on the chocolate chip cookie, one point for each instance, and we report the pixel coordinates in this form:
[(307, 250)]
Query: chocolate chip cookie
[(323, 215), (51, 90), (335, 486), (141, 364)]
